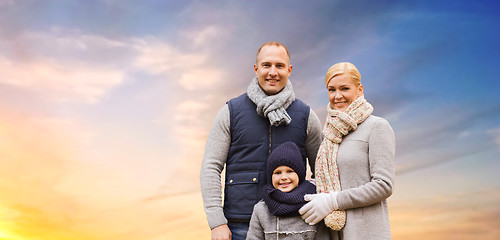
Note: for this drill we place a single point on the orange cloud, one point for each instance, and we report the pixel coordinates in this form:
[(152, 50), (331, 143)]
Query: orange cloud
[(55, 183), (34, 161), (463, 216), (46, 193)]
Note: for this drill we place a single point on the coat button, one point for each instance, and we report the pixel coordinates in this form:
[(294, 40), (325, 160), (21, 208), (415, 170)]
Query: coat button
[(231, 181), (254, 179)]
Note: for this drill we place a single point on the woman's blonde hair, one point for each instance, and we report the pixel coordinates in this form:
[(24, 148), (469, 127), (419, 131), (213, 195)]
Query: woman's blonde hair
[(343, 68)]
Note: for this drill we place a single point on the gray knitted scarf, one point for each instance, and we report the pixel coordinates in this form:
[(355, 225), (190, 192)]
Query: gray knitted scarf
[(274, 106)]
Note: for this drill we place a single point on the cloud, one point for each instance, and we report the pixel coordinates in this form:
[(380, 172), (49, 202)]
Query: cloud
[(70, 65), (34, 161), (51, 191), (61, 64), (200, 78), (438, 135), (158, 57), (496, 135), (195, 95), (189, 69), (189, 123), (66, 180), (60, 81), (65, 44), (197, 69), (207, 34), (472, 215), (6, 3)]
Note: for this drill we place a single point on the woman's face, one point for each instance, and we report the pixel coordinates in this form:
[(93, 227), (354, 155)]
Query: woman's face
[(342, 91)]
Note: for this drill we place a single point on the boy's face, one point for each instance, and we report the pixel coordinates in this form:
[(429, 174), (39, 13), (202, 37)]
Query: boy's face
[(285, 179)]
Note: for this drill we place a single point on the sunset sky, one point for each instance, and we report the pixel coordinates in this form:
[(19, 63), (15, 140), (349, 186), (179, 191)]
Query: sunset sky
[(105, 107)]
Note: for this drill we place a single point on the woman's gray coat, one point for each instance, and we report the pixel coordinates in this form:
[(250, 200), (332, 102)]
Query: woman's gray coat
[(366, 168)]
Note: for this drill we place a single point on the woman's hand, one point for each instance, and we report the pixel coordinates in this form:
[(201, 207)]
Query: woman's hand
[(319, 206)]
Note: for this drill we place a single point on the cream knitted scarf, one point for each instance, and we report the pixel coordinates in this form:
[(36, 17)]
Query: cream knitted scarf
[(338, 124), (274, 106)]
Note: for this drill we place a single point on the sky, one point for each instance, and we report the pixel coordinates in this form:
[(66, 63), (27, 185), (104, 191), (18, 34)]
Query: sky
[(105, 107)]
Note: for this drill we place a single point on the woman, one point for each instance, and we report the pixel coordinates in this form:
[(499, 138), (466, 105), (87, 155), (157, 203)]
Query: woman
[(355, 163)]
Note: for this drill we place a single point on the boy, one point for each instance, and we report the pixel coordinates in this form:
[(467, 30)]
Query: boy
[(277, 213)]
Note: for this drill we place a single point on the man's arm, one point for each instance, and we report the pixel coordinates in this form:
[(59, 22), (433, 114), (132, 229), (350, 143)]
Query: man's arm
[(216, 150), (313, 139)]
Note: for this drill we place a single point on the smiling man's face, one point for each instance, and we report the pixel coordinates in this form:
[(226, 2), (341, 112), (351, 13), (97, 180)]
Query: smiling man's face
[(272, 69)]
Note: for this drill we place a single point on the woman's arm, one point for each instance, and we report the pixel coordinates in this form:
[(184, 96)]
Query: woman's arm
[(381, 154)]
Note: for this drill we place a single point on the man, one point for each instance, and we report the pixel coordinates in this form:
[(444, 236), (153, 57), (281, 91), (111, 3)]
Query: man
[(244, 133)]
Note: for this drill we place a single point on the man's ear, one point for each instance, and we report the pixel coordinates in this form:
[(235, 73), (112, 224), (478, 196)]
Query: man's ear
[(255, 68), (290, 70)]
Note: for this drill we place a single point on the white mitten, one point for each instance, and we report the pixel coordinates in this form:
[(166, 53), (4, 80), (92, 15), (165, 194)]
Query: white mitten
[(319, 206)]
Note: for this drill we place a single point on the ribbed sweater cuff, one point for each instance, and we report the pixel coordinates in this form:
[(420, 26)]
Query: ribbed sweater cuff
[(216, 219)]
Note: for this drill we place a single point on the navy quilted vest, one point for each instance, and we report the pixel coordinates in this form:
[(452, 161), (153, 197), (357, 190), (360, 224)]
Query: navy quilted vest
[(252, 140)]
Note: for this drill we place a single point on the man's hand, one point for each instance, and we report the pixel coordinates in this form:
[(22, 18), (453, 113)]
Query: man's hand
[(320, 205), (221, 232)]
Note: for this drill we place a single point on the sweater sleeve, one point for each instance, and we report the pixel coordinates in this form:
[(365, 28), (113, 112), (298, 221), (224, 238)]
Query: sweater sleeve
[(381, 154), (216, 150), (313, 139)]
